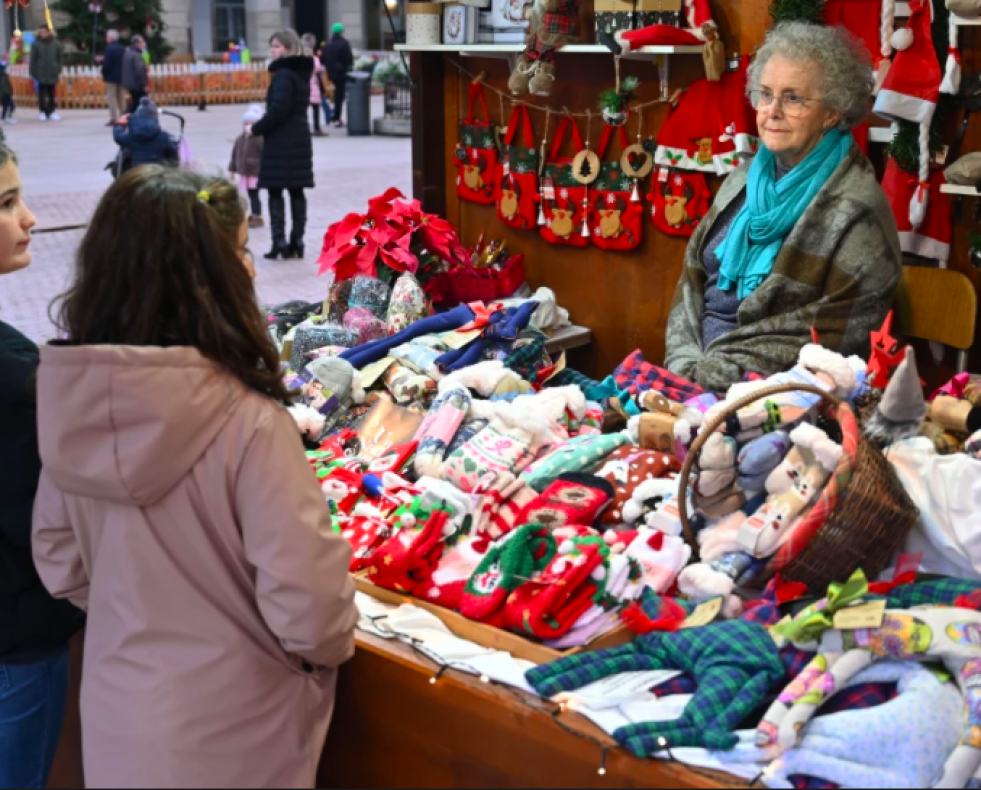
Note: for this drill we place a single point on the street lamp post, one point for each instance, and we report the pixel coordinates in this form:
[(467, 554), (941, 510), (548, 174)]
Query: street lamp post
[(95, 8)]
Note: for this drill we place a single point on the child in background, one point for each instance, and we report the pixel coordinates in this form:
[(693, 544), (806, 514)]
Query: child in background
[(316, 86), (6, 95), (246, 156)]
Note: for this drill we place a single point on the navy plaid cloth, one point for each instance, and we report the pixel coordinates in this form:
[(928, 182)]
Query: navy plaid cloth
[(570, 377), (735, 663)]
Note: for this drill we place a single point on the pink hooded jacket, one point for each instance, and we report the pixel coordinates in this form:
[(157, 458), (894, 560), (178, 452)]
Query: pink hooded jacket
[(177, 508)]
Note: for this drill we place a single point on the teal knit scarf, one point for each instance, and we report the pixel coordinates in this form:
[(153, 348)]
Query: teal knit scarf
[(771, 210)]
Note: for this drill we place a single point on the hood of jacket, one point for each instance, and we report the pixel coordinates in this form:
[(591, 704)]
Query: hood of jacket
[(143, 126), (301, 64), (127, 424)]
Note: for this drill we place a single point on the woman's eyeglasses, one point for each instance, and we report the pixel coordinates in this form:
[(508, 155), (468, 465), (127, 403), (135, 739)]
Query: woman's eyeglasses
[(794, 106)]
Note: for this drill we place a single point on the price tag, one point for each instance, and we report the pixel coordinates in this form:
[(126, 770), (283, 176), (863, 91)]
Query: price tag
[(733, 63), (507, 166), (662, 175), (548, 189), (866, 615), (704, 614)]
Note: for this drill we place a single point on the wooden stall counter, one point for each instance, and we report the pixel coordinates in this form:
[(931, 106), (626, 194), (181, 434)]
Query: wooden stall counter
[(392, 727)]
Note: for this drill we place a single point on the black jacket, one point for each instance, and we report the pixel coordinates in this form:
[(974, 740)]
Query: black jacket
[(32, 623), (338, 59), (112, 64), (134, 76), (287, 152)]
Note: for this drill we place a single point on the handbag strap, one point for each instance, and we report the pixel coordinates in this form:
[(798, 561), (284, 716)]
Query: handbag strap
[(607, 135), (477, 92), (564, 125), (520, 115)]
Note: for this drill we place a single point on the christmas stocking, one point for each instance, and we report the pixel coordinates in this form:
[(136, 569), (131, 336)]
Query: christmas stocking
[(407, 560), (365, 535), (457, 566), (496, 449), (444, 419), (519, 555), (572, 499), (502, 499)]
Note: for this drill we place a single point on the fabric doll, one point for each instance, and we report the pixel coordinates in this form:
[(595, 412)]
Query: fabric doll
[(554, 23), (951, 636)]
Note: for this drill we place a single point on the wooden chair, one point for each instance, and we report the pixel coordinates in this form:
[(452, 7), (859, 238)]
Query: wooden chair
[(939, 305)]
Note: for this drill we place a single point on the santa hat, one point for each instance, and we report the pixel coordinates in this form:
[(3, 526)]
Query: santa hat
[(911, 91), (932, 238), (714, 142), (698, 13)]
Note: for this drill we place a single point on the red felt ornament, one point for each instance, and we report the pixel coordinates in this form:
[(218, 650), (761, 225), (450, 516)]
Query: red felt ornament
[(886, 355)]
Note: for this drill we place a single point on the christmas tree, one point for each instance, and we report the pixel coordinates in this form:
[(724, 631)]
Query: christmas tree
[(129, 17)]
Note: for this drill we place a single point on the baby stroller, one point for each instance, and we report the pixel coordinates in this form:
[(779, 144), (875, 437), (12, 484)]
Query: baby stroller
[(123, 160)]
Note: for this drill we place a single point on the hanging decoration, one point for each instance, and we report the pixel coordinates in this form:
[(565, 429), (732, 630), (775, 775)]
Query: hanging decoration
[(637, 162), (554, 23), (618, 222), (586, 165), (518, 176), (614, 102), (476, 152), (562, 195)]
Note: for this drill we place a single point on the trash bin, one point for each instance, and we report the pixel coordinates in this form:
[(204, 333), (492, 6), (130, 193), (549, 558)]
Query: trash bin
[(358, 104)]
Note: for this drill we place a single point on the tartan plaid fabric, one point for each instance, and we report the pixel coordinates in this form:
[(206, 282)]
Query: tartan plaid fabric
[(637, 375), (860, 697), (735, 664), (563, 20), (528, 360), (939, 591), (570, 377)]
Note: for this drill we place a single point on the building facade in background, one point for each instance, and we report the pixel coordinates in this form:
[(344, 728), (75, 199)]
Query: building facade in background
[(204, 28)]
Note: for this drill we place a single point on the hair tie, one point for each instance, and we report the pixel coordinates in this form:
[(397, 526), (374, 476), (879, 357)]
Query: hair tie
[(204, 196)]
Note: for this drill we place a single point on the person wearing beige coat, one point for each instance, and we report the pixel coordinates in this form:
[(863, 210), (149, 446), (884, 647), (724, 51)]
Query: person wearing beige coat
[(177, 508)]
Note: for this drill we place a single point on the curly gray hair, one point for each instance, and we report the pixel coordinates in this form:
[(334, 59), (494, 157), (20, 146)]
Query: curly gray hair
[(845, 64)]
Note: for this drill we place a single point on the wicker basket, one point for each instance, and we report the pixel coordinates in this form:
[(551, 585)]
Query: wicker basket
[(860, 519)]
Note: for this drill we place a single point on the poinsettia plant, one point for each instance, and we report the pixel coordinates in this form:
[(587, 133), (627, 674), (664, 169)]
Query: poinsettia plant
[(394, 236)]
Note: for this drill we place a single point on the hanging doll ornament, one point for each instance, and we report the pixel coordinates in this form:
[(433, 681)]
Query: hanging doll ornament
[(637, 162), (552, 25)]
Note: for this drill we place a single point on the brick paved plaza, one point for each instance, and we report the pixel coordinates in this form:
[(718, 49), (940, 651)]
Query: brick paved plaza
[(62, 169)]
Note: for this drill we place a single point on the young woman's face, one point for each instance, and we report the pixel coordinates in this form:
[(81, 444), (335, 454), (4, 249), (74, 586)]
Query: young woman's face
[(276, 49), (16, 222), (243, 248)]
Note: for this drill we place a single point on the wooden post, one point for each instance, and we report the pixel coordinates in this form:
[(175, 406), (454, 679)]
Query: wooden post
[(428, 160)]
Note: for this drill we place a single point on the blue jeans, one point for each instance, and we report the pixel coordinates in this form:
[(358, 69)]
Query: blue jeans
[(32, 709)]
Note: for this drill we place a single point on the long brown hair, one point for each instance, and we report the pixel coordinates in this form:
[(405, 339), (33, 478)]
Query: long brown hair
[(157, 267)]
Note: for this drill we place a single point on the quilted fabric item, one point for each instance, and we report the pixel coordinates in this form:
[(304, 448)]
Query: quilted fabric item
[(370, 293), (408, 304), (310, 338)]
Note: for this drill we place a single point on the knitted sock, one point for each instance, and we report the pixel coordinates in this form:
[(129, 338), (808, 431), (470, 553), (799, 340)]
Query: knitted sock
[(407, 560), (721, 538), (718, 453), (762, 455), (498, 448), (455, 569), (518, 556), (722, 504), (752, 483), (365, 535), (444, 419), (572, 499), (661, 557), (502, 498), (467, 431), (548, 607), (580, 454), (711, 482)]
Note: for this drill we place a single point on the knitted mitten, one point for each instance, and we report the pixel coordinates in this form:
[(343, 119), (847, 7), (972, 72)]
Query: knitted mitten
[(445, 587), (444, 419), (627, 468), (365, 535), (496, 449), (572, 499), (761, 456), (502, 498), (407, 560), (508, 562)]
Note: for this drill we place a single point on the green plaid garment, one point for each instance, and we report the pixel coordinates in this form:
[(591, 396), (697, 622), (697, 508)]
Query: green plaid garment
[(735, 664), (570, 377), (939, 592), (527, 360)]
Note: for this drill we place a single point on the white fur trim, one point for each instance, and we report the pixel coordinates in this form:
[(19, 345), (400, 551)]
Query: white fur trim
[(902, 39), (814, 439), (682, 431), (633, 429), (357, 391), (631, 511), (599, 573), (407, 520), (610, 537), (701, 583), (566, 547), (483, 378), (367, 510), (824, 360), (308, 420)]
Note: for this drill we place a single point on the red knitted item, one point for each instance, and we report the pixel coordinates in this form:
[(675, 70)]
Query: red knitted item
[(365, 535), (572, 499), (409, 559), (549, 607)]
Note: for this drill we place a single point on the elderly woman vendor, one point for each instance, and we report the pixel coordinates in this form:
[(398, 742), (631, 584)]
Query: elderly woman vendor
[(802, 236)]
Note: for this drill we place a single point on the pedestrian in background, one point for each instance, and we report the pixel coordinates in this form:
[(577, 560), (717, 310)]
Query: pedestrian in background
[(287, 153), (245, 163), (34, 627), (46, 61), (316, 93), (135, 77), (6, 95), (339, 62), (112, 75)]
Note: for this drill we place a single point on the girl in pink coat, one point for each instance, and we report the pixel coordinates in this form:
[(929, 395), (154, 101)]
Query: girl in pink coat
[(177, 508)]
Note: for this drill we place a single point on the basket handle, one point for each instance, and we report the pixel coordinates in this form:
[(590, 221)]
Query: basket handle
[(709, 428)]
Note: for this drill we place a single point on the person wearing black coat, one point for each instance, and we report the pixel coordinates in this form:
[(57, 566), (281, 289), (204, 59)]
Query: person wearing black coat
[(338, 60), (287, 152), (34, 628), (112, 75)]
